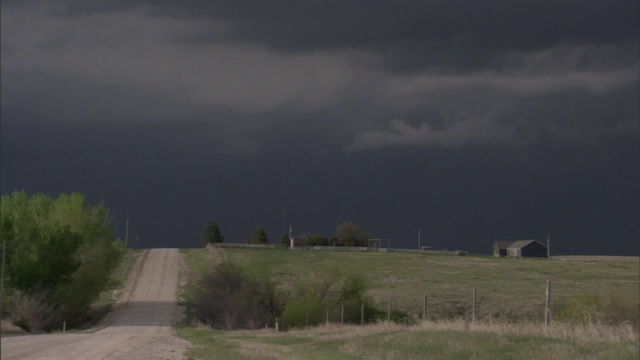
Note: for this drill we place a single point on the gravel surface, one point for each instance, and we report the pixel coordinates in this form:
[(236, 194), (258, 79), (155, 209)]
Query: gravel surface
[(138, 328)]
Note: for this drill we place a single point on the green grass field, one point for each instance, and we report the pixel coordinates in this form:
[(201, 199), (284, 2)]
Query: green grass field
[(507, 289), (511, 297)]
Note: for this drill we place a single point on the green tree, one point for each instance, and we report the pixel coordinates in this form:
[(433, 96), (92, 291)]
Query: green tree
[(284, 240), (258, 236), (211, 234), (60, 253), (317, 240), (350, 234)]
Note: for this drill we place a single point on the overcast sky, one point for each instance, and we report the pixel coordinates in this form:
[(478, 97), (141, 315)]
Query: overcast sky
[(473, 121)]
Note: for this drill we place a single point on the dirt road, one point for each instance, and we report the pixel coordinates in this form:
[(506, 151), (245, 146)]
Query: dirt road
[(139, 327)]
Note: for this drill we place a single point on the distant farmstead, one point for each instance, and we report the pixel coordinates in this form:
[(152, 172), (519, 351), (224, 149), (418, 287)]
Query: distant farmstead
[(520, 248)]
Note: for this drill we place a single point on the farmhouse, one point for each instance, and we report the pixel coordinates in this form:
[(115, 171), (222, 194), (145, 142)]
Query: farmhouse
[(520, 248), (297, 243)]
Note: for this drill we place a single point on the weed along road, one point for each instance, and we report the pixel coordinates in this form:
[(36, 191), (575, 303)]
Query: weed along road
[(138, 328)]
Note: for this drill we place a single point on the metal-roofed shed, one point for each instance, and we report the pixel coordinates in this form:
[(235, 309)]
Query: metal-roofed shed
[(527, 248)]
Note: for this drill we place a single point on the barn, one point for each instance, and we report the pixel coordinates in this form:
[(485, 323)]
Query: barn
[(520, 248)]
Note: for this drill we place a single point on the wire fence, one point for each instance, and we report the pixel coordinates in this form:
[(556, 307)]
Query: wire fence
[(544, 308)]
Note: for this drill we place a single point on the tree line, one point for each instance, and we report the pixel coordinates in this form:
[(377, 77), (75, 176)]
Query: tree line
[(60, 256), (212, 235), (347, 234)]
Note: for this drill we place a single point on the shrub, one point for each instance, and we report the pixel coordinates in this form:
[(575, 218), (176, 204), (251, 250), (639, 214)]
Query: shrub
[(31, 311), (303, 311), (336, 293), (226, 298)]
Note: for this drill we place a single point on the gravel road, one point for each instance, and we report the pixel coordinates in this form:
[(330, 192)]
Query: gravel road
[(138, 328)]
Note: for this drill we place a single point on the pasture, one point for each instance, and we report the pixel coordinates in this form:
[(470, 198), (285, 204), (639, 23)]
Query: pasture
[(428, 340), (507, 289), (601, 295)]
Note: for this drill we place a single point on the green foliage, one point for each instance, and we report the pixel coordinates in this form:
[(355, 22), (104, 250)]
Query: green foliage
[(211, 234), (303, 311), (317, 240), (374, 315), (59, 252), (258, 236), (340, 295), (227, 298), (350, 234), (45, 262), (285, 241)]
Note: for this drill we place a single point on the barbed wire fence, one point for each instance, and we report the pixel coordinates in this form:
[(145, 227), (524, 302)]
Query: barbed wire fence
[(547, 307)]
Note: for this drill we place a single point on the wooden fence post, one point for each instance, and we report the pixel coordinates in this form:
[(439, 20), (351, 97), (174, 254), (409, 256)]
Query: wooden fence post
[(389, 311), (327, 317), (306, 319), (342, 314), (547, 308), (424, 307), (362, 315), (473, 307)]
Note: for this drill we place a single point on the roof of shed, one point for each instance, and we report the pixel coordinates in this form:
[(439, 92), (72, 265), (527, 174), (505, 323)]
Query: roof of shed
[(503, 244), (521, 243)]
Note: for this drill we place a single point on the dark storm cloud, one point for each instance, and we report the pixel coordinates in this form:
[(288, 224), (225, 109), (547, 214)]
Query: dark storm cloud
[(164, 61), (407, 35), (388, 73), (320, 104)]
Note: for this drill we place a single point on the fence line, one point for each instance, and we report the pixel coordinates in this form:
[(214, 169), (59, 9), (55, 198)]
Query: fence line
[(340, 248), (543, 303), (379, 249), (244, 246)]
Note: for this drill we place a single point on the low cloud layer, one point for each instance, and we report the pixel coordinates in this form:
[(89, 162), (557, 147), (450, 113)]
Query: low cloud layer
[(250, 70)]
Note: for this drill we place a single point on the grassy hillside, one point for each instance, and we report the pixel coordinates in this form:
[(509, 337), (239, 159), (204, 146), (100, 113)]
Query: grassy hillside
[(507, 289), (121, 275)]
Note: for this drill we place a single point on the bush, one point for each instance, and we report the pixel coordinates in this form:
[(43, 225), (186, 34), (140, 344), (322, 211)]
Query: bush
[(401, 317), (32, 312), (335, 293), (303, 311), (226, 298)]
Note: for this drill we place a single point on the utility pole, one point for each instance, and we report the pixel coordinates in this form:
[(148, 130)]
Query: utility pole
[(126, 234), (548, 246), (4, 251), (419, 240), (291, 237)]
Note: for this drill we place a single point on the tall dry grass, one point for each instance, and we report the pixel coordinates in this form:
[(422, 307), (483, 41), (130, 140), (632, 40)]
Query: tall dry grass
[(577, 332), (582, 332)]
